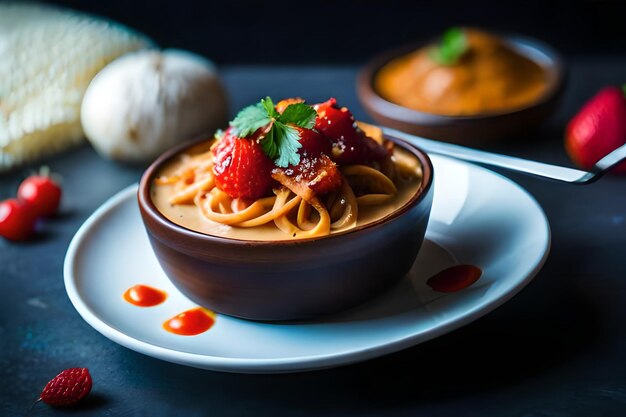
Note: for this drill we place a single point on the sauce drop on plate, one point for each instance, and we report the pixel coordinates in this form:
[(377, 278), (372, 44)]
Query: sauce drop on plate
[(144, 296), (455, 278), (191, 322)]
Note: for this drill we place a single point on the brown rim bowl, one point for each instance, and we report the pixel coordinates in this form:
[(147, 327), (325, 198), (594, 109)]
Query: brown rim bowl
[(466, 130), (288, 280)]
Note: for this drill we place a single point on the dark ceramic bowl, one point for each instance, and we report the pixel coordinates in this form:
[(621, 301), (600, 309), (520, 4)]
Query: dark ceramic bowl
[(287, 280), (467, 130)]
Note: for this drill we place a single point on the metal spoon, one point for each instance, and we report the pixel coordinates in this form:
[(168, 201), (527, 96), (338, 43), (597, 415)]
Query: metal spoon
[(539, 169)]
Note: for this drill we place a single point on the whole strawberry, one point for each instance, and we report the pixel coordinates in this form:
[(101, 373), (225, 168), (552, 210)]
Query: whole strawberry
[(598, 128), (350, 144), (67, 388), (17, 220), (242, 169)]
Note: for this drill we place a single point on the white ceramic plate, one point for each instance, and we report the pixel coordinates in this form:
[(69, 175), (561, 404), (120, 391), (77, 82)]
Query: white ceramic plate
[(478, 217)]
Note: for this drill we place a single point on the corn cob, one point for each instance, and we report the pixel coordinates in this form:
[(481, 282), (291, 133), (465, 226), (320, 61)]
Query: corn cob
[(48, 56)]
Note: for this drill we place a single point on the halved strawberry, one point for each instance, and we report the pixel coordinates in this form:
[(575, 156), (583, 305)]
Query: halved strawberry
[(316, 173), (350, 144), (598, 128), (242, 170)]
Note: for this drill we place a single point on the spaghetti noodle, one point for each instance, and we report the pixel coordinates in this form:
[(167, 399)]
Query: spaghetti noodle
[(291, 208)]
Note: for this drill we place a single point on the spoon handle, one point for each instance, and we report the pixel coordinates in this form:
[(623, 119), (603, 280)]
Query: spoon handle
[(511, 163)]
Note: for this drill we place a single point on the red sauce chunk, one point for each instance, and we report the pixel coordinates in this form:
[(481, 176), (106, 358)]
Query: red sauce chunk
[(191, 322), (144, 296), (455, 278)]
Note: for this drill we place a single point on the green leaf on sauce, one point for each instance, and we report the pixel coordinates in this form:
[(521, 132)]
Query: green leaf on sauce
[(451, 48)]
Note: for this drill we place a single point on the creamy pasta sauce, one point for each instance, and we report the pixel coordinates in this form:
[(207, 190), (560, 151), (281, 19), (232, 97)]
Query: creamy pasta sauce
[(189, 215)]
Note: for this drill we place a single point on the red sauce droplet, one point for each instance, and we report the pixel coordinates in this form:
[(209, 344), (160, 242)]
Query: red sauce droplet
[(191, 322), (455, 278), (144, 296)]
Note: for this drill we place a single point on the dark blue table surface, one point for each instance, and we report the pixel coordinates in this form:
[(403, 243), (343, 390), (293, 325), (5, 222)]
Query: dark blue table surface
[(556, 349)]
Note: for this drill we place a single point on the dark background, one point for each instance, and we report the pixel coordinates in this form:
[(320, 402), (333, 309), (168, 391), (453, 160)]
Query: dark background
[(317, 32), (555, 350)]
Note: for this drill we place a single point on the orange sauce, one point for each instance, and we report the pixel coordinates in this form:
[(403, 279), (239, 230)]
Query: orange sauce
[(489, 77), (191, 322), (144, 296), (455, 278)]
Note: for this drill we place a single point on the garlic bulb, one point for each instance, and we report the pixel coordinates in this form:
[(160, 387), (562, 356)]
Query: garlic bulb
[(145, 102)]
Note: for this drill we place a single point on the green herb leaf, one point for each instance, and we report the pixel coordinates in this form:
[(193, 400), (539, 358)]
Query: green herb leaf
[(250, 119), (270, 144), (268, 104), (287, 141), (452, 46), (219, 134), (282, 141), (299, 114)]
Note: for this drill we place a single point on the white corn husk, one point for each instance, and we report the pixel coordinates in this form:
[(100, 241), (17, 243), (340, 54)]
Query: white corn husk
[(48, 56)]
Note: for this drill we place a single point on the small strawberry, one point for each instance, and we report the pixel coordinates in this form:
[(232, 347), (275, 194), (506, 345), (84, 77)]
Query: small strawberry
[(42, 193), (17, 220), (67, 388), (242, 169), (598, 128), (350, 144), (316, 173)]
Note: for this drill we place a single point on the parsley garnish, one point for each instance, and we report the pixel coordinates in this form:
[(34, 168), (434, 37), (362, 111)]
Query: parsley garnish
[(281, 141), (219, 134), (452, 46), (299, 114), (250, 119)]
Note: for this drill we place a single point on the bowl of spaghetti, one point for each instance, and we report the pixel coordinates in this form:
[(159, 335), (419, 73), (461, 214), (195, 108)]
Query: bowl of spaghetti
[(293, 212)]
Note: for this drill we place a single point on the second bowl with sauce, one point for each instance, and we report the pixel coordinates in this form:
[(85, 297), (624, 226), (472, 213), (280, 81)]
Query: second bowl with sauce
[(500, 87)]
